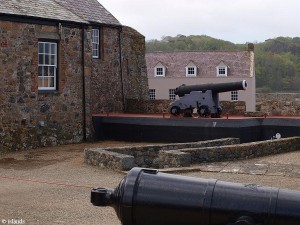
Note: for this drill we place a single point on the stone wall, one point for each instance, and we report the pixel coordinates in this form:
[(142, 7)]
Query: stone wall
[(145, 156), (278, 104), (186, 154), (270, 104), (147, 106), (243, 151), (108, 159), (30, 118), (161, 106), (103, 75), (134, 65)]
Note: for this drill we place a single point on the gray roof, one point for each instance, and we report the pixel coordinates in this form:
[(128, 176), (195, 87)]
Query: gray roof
[(81, 11), (90, 10)]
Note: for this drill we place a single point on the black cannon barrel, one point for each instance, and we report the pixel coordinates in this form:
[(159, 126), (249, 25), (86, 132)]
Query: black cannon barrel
[(149, 197), (215, 88)]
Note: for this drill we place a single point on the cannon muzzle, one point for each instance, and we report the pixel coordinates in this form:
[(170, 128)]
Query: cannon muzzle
[(215, 88), (149, 197)]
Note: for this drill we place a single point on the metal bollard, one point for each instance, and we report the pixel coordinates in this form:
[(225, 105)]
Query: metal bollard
[(149, 197)]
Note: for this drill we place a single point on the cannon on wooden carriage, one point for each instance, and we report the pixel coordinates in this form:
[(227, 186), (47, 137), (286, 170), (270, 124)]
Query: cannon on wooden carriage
[(203, 97)]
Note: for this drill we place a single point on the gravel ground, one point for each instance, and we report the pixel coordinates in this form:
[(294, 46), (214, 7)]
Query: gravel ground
[(52, 185)]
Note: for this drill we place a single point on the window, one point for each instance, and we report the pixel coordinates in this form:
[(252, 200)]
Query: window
[(172, 95), (152, 94), (47, 65), (159, 71), (95, 43), (222, 71), (191, 71), (234, 96)]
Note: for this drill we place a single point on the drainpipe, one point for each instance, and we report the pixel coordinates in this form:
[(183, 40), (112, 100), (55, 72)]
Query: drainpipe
[(83, 84), (121, 69)]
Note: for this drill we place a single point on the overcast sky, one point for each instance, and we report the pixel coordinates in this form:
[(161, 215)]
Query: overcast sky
[(238, 21)]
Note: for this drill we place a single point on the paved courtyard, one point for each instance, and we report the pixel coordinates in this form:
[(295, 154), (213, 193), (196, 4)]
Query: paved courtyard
[(52, 185)]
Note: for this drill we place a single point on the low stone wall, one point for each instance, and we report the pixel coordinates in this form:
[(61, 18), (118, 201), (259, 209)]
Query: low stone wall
[(186, 154), (271, 104), (277, 96), (161, 106), (278, 104), (147, 106), (243, 151), (107, 159), (233, 108), (145, 156), (174, 158)]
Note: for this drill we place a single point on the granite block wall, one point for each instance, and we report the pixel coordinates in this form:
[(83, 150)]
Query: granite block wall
[(162, 106), (154, 155), (278, 104), (31, 118), (187, 154)]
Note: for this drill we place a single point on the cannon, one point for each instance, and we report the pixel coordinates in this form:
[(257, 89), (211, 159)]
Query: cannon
[(203, 97), (149, 197)]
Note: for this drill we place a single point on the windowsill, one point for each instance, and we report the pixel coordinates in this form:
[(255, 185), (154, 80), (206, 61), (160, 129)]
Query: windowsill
[(48, 92)]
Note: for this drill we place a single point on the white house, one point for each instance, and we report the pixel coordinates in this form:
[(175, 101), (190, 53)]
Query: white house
[(168, 70)]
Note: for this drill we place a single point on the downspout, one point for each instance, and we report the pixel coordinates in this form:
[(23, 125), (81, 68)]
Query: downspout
[(83, 85), (121, 70)]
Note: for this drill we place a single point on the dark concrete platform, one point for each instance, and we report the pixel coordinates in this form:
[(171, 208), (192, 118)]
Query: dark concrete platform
[(157, 129)]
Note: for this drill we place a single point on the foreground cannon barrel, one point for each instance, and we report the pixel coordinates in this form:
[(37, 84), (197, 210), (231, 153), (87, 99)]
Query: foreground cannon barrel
[(215, 88), (149, 197)]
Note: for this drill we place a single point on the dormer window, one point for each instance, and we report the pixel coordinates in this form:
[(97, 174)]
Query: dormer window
[(159, 70), (191, 70), (222, 70)]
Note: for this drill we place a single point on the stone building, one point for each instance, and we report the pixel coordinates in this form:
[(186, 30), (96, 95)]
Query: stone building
[(168, 70), (60, 62)]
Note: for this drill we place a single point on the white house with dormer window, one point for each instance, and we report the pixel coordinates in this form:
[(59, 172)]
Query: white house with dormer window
[(168, 70)]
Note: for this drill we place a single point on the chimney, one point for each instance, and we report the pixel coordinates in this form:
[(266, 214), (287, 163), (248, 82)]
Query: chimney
[(251, 47)]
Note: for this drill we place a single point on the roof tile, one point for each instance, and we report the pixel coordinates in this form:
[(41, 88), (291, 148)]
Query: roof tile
[(81, 11), (239, 62), (47, 9), (90, 10)]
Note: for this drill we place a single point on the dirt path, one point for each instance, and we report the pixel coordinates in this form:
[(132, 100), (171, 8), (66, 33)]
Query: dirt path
[(52, 185)]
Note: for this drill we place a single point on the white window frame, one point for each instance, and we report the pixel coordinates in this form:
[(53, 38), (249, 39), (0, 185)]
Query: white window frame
[(159, 71), (172, 95), (47, 65), (234, 96), (189, 69), (152, 94), (222, 68), (95, 43)]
